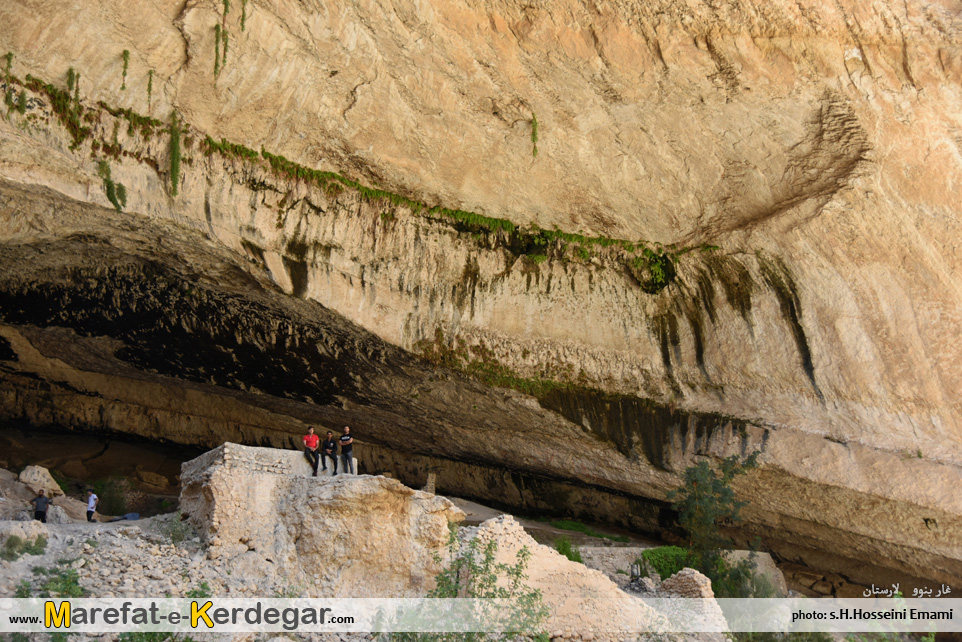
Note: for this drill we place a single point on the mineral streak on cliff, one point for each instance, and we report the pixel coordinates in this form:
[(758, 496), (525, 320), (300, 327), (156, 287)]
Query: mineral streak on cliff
[(798, 137)]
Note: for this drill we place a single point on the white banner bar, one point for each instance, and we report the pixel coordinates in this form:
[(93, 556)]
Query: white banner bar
[(628, 615)]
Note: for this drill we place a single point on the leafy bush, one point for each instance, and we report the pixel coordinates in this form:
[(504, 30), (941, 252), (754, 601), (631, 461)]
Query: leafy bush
[(177, 529), (563, 545), (123, 84), (199, 593), (473, 573), (16, 546), (112, 492), (666, 560), (23, 589), (704, 503), (60, 582)]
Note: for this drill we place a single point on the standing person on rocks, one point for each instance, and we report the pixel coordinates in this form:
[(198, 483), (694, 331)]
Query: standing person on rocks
[(329, 448), (347, 451), (40, 503), (92, 501), (310, 448)]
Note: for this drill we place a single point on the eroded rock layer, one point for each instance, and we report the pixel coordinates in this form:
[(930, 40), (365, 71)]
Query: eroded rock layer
[(799, 161)]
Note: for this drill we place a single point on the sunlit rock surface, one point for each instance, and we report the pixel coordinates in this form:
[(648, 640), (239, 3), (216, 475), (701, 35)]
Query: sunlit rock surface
[(816, 146)]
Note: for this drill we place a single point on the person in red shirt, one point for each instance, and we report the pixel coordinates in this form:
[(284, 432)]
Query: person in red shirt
[(310, 448)]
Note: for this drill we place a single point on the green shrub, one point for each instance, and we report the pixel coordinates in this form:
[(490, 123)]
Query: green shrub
[(38, 546), (666, 560), (578, 527), (706, 500), (199, 593), (473, 573), (123, 84), (23, 589), (150, 87), (22, 103), (63, 105), (704, 503), (177, 529), (117, 195), (216, 50), (534, 135), (15, 547), (60, 582), (174, 154), (12, 548), (9, 65), (62, 481), (113, 495), (243, 14), (563, 545)]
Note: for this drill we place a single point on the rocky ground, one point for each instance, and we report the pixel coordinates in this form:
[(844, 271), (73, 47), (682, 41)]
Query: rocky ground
[(163, 556)]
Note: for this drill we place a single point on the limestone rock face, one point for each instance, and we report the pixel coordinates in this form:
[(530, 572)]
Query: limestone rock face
[(57, 515), (566, 586), (38, 478), (797, 138), (350, 536), (582, 600), (25, 530)]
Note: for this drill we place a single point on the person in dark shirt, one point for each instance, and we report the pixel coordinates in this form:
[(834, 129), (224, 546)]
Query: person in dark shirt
[(40, 503), (310, 449), (329, 449), (347, 451)]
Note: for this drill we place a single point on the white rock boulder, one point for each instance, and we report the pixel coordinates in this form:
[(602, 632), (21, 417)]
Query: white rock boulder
[(38, 478), (264, 516)]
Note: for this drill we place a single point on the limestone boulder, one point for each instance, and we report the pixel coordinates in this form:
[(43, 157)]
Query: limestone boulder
[(152, 479), (25, 530), (73, 509), (57, 515), (38, 478), (579, 599), (263, 514)]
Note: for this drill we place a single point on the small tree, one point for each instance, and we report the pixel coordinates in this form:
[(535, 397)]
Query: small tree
[(704, 503)]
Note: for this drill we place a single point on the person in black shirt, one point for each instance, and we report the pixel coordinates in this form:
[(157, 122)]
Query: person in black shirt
[(329, 448), (347, 451), (40, 503)]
